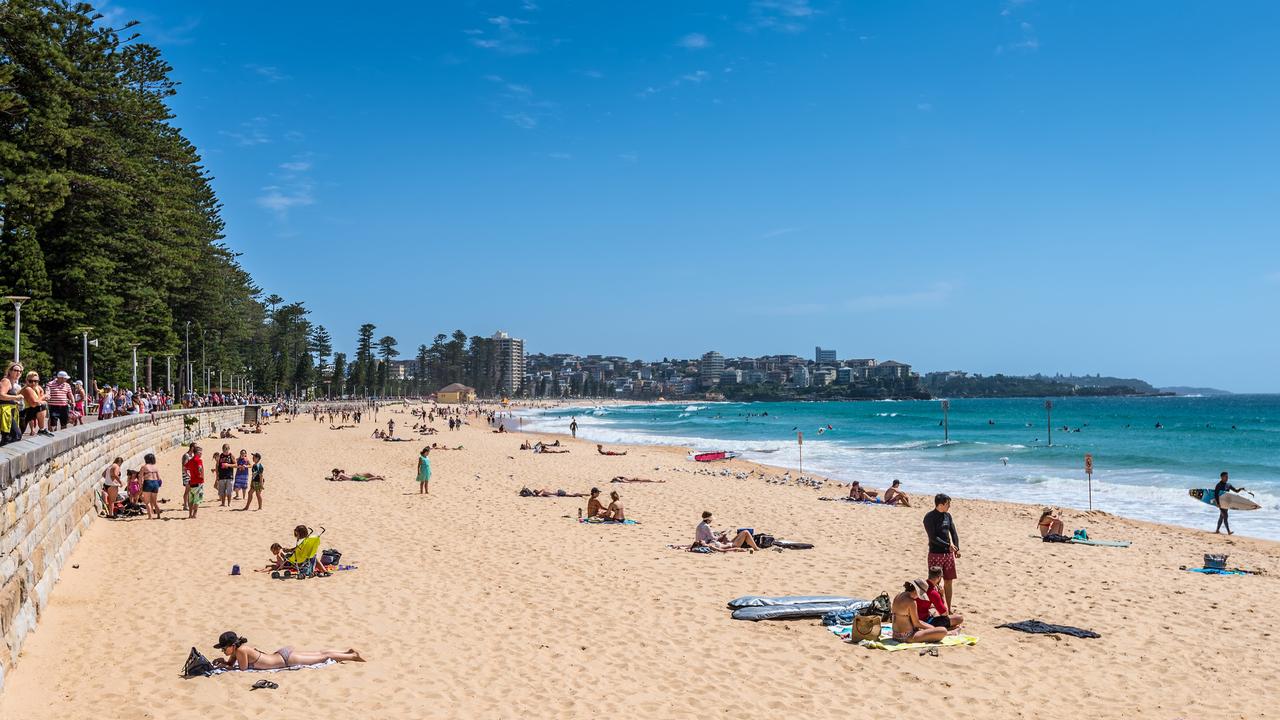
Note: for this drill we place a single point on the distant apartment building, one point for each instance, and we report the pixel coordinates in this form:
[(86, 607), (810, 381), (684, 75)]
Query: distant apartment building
[(731, 377), (824, 357), (892, 369), (845, 375), (402, 369), (710, 367), (800, 377), (509, 354), (824, 376)]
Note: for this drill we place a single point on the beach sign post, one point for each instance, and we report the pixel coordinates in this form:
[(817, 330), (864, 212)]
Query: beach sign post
[(1088, 471), (800, 444)]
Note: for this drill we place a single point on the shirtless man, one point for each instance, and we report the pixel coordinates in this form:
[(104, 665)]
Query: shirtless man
[(895, 496), (595, 508), (907, 625), (600, 449)]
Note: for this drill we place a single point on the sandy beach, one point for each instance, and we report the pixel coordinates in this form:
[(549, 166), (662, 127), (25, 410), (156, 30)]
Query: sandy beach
[(474, 602)]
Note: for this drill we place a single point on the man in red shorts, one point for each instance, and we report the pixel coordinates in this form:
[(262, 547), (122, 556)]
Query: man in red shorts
[(944, 543)]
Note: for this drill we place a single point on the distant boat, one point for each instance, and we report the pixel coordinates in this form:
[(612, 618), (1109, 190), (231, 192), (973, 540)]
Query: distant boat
[(714, 456)]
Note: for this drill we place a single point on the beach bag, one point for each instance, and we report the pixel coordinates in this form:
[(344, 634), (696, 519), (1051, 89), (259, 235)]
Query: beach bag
[(1055, 537), (763, 540), (865, 627), (1215, 562), (330, 557), (197, 664), (881, 607)]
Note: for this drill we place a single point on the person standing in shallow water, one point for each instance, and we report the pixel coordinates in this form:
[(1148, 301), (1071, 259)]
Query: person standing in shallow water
[(1222, 487), (573, 427), (424, 471)]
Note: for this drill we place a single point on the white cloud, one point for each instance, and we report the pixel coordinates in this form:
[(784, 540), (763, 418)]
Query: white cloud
[(522, 119), (281, 199), (296, 166), (787, 16), (249, 133), (270, 72), (1029, 42), (529, 5), (593, 74), (694, 41), (924, 107), (560, 156), (628, 157), (507, 38), (519, 89), (696, 77)]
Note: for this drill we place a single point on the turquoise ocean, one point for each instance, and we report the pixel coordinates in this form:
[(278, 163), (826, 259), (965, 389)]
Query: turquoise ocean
[(997, 448)]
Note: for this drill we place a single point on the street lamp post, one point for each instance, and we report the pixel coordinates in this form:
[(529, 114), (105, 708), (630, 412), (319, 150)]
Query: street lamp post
[(85, 338), (17, 301), (168, 378), (188, 357), (135, 364)]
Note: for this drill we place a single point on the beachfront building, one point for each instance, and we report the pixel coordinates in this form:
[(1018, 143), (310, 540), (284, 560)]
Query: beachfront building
[(824, 376), (824, 357), (710, 367), (800, 377), (731, 377), (845, 375), (509, 354), (456, 393), (892, 369)]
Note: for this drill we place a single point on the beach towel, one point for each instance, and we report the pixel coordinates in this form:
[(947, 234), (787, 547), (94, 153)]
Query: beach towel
[(1086, 541), (602, 521), (761, 601), (1215, 571), (886, 641), (1043, 628), (219, 671), (860, 502)]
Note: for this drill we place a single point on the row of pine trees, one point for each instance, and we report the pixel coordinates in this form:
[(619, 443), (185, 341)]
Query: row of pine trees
[(109, 223)]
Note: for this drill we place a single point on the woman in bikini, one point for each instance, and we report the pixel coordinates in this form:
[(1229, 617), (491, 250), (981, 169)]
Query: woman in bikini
[(150, 477), (1049, 523), (859, 494), (907, 625), (239, 656)]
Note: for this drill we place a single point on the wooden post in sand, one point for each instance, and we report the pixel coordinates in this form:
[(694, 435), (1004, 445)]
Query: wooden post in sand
[(1088, 471), (946, 426), (1048, 419)]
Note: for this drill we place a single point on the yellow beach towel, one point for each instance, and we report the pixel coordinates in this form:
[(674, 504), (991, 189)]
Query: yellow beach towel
[(894, 645)]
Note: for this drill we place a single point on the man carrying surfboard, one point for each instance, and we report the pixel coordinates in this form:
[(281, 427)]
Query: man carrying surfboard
[(1222, 487)]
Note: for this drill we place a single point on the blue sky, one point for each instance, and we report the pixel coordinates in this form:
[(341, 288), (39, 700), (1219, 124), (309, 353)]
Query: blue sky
[(1014, 186)]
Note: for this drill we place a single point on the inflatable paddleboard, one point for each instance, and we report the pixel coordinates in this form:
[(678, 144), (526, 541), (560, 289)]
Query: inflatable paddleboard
[(1230, 501)]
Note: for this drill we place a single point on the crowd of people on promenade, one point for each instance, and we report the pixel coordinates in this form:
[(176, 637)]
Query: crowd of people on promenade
[(34, 406)]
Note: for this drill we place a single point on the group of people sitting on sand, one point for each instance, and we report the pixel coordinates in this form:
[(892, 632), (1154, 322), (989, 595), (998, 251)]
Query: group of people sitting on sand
[(892, 496), (387, 437), (303, 560), (920, 613), (597, 509)]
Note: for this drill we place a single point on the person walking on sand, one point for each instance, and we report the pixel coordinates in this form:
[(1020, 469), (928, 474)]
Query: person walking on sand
[(1222, 487), (186, 476), (255, 482), (944, 542), (195, 481), (573, 427), (424, 471)]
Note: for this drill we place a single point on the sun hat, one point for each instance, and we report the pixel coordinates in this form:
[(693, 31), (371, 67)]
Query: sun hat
[(227, 639), (63, 374)]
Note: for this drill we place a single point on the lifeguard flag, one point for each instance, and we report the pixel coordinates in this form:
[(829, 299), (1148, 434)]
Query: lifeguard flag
[(800, 438)]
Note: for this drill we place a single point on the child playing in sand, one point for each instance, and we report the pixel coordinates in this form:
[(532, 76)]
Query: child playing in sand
[(277, 559)]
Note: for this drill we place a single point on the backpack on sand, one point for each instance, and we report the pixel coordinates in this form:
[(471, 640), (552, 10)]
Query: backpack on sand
[(197, 664)]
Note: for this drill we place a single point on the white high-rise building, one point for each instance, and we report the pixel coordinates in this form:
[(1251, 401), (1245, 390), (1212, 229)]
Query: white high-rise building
[(710, 367), (509, 353)]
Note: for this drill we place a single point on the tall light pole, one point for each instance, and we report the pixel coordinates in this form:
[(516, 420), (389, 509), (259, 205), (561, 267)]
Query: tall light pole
[(85, 337), (135, 364), (188, 357), (203, 364), (168, 378), (17, 301)]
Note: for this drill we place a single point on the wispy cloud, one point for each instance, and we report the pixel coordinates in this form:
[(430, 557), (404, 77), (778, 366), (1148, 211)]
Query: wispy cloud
[(1010, 6), (151, 28), (629, 157), (290, 188), (789, 16), (934, 295), (518, 104), (251, 132), (270, 72), (560, 156), (504, 37), (694, 41), (924, 107), (696, 77), (1029, 41), (593, 74)]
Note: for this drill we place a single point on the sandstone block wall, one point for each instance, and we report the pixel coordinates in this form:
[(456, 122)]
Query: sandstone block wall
[(48, 487)]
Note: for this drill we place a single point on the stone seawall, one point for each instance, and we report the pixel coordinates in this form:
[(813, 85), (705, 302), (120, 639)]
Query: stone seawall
[(48, 487)]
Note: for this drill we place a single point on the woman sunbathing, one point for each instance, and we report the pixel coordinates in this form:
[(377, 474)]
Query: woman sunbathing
[(600, 449), (526, 492), (625, 479), (856, 492), (907, 625), (540, 448), (342, 476), (239, 656), (1049, 523)]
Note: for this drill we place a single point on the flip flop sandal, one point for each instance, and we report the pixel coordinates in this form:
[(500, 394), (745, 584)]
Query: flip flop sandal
[(264, 684)]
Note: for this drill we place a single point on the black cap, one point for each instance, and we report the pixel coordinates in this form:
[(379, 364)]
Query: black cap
[(227, 639)]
